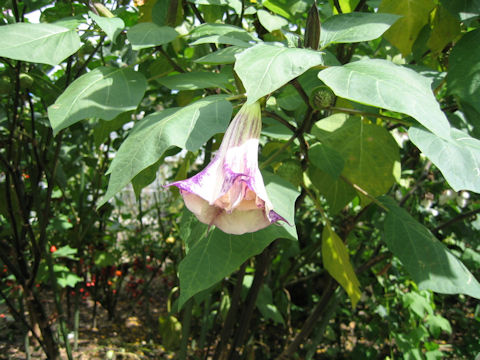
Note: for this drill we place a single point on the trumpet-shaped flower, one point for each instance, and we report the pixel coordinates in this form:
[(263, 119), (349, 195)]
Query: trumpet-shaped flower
[(230, 193)]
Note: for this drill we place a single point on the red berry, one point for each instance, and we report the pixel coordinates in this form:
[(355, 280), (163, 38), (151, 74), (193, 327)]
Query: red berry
[(53, 248)]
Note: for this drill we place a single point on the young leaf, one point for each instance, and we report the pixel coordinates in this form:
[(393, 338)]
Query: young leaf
[(386, 85), (428, 261), (111, 26), (264, 68), (355, 27), (38, 43), (188, 128), (337, 262), (148, 34), (457, 157), (103, 93)]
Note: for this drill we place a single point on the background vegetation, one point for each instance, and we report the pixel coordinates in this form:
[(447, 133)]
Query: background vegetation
[(369, 149)]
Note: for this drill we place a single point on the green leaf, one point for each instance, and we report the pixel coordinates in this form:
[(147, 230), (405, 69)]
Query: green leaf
[(347, 6), (337, 262), (271, 22), (187, 127), (111, 26), (234, 4), (405, 31), (220, 57), (195, 80), (463, 9), (148, 34), (221, 39), (437, 324), (326, 159), (266, 306), (264, 68), (355, 27), (65, 252), (445, 28), (431, 265), (337, 192), (464, 70), (417, 303), (218, 254), (103, 93), (386, 85), (67, 278), (221, 30), (38, 43), (370, 153), (457, 157)]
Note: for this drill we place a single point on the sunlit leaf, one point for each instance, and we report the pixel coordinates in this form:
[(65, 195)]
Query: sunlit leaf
[(264, 68), (38, 43), (337, 262), (187, 127), (103, 93), (386, 85)]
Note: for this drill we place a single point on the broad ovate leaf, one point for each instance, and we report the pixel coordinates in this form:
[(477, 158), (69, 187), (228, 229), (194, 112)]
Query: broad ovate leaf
[(355, 27), (148, 34), (383, 84), (104, 93), (415, 15), (370, 154), (111, 26), (263, 68), (187, 127), (38, 43), (457, 157), (429, 262)]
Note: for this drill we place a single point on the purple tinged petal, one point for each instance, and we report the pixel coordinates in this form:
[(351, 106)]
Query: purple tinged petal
[(230, 192)]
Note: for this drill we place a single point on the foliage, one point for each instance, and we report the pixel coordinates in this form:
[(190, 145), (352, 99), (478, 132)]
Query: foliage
[(370, 151)]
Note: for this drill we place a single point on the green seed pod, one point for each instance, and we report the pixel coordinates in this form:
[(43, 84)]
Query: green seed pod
[(322, 98)]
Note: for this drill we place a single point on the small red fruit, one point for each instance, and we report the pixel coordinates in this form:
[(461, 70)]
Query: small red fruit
[(53, 248), (118, 273)]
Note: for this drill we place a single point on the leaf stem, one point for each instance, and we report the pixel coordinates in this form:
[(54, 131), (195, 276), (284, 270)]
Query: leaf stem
[(363, 113)]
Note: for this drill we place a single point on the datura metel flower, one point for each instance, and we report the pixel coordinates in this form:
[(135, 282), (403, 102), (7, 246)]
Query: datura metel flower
[(230, 193)]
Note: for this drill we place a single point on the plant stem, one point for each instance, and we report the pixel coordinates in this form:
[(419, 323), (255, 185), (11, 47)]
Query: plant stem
[(187, 317)]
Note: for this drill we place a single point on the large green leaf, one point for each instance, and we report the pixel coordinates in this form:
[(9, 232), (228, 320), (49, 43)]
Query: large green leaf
[(415, 15), (264, 68), (386, 85), (326, 159), (427, 260), (195, 80), (271, 22), (370, 153), (103, 93), (222, 56), (218, 254), (39, 43), (188, 128), (221, 30), (148, 34), (337, 262), (111, 26), (458, 157), (463, 78), (355, 27), (336, 191), (445, 28)]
